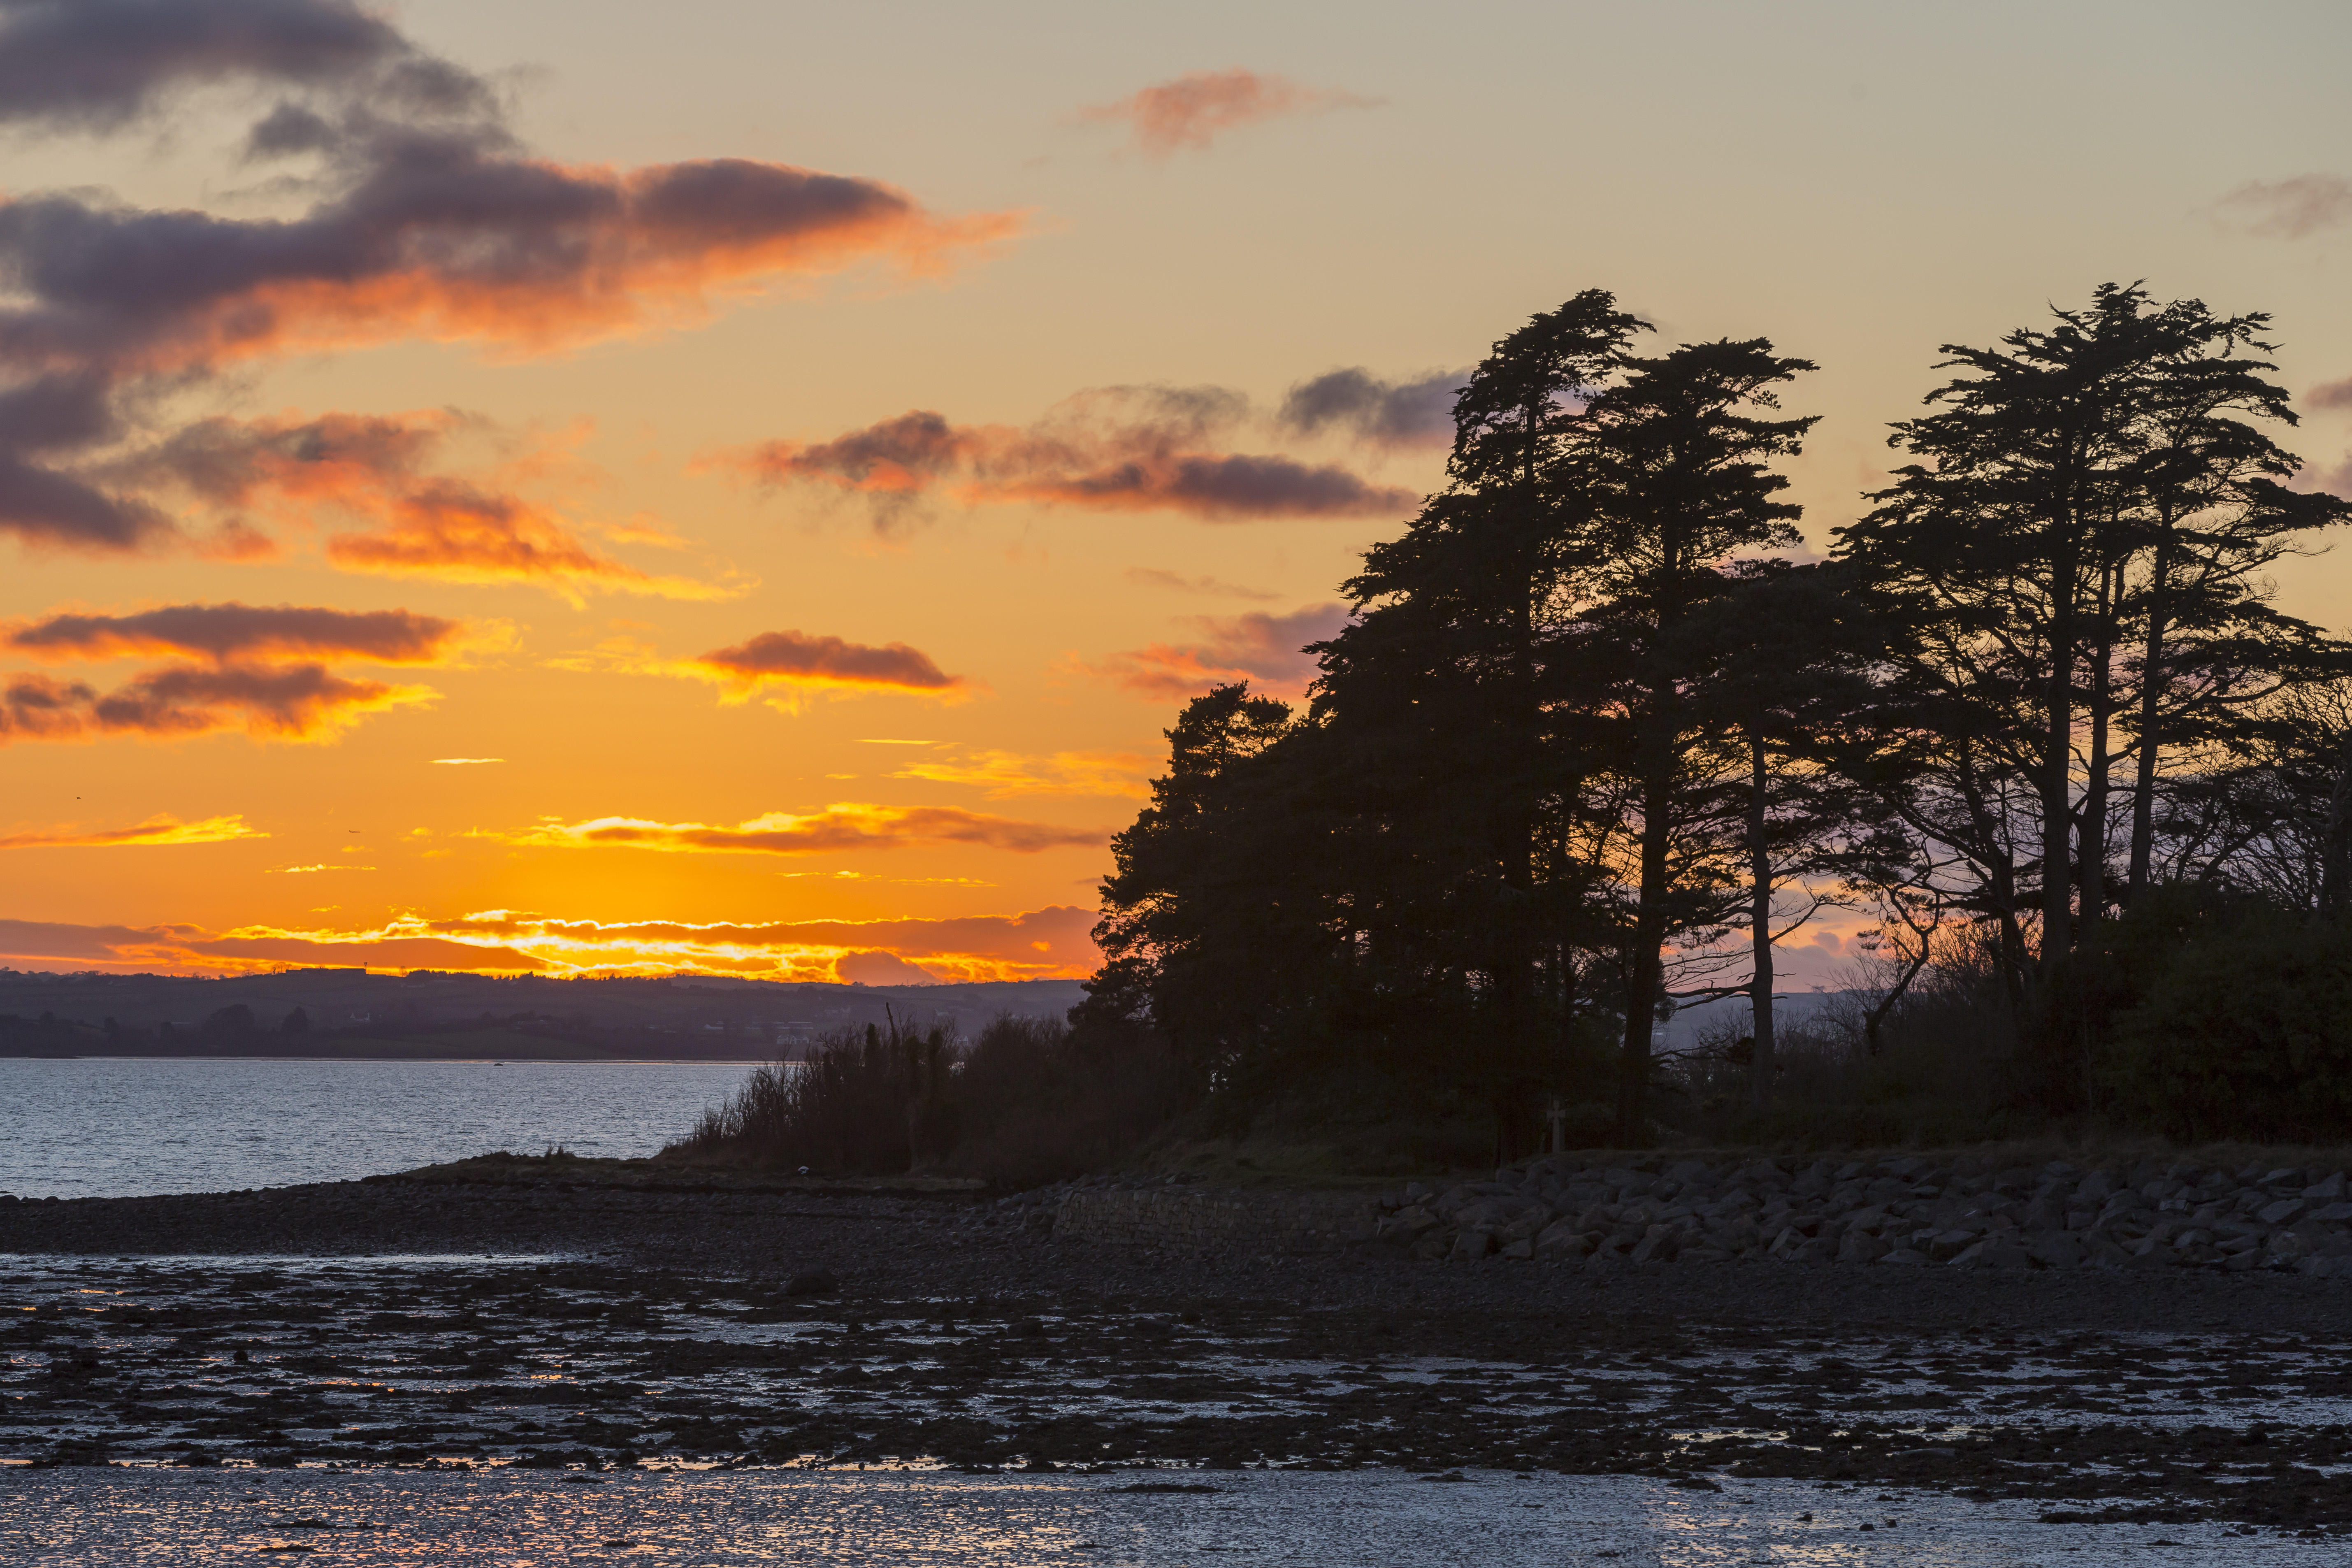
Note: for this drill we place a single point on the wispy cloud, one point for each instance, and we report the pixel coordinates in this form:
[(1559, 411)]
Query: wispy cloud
[(2290, 208), (1193, 110), (1159, 577), (1003, 773), (841, 826), (1416, 412), (154, 831), (292, 702), (798, 661), (1264, 650), (465, 762), (1114, 449), (2329, 395), (225, 633), (1052, 941)]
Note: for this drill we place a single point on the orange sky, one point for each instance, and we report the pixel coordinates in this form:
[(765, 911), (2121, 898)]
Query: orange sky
[(730, 487)]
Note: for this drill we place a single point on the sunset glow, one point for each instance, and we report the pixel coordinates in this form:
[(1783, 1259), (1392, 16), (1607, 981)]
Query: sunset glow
[(610, 489)]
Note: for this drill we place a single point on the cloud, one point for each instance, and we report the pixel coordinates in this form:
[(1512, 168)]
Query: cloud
[(1125, 448), (797, 660), (2329, 394), (289, 702), (2291, 208), (449, 529), (428, 221), (95, 65), (155, 830), (465, 762), (1257, 648), (370, 468), (1193, 110), (223, 633), (844, 826), (1157, 577), (1055, 941), (1387, 414), (1003, 773)]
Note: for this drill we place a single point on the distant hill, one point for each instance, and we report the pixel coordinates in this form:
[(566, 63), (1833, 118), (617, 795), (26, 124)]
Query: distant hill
[(429, 1013)]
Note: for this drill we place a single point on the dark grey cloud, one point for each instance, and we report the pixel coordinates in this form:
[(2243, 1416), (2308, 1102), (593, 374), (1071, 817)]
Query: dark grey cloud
[(98, 64), (1418, 413)]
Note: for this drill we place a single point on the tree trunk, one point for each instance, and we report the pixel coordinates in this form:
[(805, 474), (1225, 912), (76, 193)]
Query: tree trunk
[(2058, 755), (2151, 692), (1646, 971), (2093, 843), (1760, 874), (2335, 847)]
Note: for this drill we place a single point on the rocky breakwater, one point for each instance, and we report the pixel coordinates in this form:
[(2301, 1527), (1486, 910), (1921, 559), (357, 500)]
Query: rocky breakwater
[(1891, 1213)]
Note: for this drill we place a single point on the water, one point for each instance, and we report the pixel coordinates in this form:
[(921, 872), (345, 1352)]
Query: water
[(127, 1127), (919, 1518)]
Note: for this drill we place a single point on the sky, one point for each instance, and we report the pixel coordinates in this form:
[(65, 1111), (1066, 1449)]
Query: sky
[(743, 488)]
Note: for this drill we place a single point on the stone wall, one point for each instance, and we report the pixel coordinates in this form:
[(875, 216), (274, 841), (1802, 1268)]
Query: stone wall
[(1192, 1219)]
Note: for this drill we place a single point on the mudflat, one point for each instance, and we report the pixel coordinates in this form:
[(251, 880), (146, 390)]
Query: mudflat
[(448, 1324)]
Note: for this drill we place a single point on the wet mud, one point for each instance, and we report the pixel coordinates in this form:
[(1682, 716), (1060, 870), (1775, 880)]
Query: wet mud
[(582, 1334)]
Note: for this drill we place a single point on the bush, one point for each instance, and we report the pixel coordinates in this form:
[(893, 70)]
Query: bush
[(2244, 1032), (1030, 1101), (863, 1103)]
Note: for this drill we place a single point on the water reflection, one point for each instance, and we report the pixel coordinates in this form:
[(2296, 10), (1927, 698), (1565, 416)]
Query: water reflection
[(934, 1519)]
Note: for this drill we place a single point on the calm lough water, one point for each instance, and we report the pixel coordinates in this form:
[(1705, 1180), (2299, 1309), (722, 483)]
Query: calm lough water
[(122, 1127)]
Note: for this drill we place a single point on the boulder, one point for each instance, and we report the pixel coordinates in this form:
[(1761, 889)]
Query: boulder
[(1472, 1245), (1902, 1255), (1860, 1247), (1524, 1246), (2330, 1191), (1561, 1239), (2283, 1212), (1659, 1245)]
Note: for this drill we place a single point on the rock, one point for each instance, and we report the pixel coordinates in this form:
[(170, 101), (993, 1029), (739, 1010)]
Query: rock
[(1561, 1239), (2282, 1212), (1473, 1245), (1946, 1245), (1903, 1255), (812, 1282), (1524, 1246), (1659, 1245), (2094, 1189), (2333, 1213), (2330, 1191), (2000, 1252), (1860, 1247)]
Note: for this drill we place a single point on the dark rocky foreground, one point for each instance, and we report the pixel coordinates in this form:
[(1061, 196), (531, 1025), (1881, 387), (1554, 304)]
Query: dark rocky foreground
[(459, 1325)]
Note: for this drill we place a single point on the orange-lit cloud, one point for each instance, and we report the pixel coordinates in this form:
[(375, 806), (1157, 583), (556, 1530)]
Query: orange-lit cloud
[(460, 533), (1194, 109), (373, 470), (225, 633), (2291, 208), (2329, 394), (155, 830), (1003, 773), (287, 703), (844, 826), (1053, 943), (1266, 650), (1110, 449), (798, 660)]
